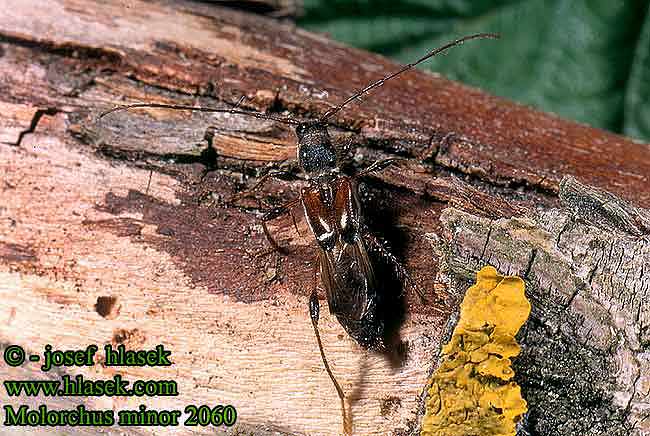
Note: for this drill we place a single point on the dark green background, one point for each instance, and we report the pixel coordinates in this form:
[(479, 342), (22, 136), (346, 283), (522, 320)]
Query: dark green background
[(584, 60)]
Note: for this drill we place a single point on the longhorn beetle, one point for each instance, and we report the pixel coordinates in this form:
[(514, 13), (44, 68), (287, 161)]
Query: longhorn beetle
[(333, 212)]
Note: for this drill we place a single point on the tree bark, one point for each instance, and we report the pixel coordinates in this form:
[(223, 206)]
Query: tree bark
[(584, 367), (117, 231)]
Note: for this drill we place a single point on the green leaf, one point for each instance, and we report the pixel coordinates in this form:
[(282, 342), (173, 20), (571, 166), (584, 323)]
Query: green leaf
[(587, 60), (637, 98)]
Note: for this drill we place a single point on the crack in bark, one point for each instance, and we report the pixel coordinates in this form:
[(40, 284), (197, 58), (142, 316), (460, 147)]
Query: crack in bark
[(533, 254), (565, 227), (592, 273), (66, 49), (628, 407), (487, 239), (571, 298)]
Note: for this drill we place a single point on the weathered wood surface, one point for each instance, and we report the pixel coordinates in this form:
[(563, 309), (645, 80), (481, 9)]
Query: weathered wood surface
[(80, 220)]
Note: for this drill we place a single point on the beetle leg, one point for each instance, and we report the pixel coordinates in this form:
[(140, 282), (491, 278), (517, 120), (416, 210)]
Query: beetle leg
[(270, 215), (343, 150), (379, 165), (314, 310), (261, 182), (401, 270)]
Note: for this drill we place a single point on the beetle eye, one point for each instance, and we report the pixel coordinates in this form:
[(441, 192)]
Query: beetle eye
[(300, 130)]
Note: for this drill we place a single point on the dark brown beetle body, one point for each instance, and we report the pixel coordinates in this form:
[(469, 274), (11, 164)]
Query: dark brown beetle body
[(333, 212), (334, 216)]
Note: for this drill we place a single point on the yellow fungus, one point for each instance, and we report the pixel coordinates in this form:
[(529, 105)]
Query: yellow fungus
[(471, 393)]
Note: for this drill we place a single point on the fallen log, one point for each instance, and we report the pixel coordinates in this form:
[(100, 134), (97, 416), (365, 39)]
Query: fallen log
[(117, 231)]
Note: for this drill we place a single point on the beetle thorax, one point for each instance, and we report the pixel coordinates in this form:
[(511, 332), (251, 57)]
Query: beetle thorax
[(316, 154)]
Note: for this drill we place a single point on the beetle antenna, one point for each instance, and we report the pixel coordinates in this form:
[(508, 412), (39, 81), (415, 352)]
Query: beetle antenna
[(380, 82), (259, 115)]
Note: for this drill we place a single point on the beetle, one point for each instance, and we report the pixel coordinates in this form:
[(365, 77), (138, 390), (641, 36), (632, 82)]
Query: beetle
[(331, 206)]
